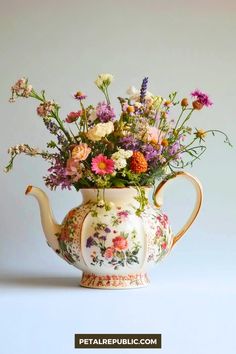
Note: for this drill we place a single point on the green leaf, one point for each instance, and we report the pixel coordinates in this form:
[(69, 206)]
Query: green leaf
[(118, 182), (51, 144)]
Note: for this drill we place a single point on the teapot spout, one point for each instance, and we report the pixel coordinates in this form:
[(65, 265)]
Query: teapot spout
[(50, 226)]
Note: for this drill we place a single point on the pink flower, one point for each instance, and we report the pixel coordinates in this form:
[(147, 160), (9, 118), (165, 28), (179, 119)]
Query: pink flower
[(158, 232), (101, 165), (45, 109), (120, 243), (154, 135), (79, 95), (163, 219), (123, 214), (109, 252), (21, 88), (80, 152), (202, 98), (164, 245), (73, 169), (73, 116)]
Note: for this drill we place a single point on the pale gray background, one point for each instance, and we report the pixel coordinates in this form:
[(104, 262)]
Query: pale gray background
[(62, 46)]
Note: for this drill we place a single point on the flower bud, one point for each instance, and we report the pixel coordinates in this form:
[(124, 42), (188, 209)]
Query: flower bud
[(163, 115), (165, 142), (184, 102), (168, 103), (130, 109), (197, 105)]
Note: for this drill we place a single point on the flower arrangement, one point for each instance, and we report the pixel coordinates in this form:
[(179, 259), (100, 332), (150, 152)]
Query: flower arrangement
[(95, 148)]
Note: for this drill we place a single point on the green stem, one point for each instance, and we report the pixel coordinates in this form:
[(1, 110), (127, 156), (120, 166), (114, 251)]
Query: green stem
[(227, 141), (187, 118), (85, 117), (56, 116), (77, 126), (159, 125), (107, 96), (196, 157), (183, 109), (179, 151)]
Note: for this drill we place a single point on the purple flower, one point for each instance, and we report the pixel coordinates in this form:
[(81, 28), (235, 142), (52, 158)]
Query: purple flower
[(129, 142), (150, 152), (143, 89), (57, 176), (103, 238), (90, 242), (105, 112), (202, 98), (107, 230), (173, 149), (61, 139), (51, 126)]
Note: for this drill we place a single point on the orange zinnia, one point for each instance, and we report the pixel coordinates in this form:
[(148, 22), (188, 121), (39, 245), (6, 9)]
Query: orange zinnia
[(138, 162)]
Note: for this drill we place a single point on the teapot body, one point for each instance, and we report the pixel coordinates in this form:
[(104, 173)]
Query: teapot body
[(109, 242), (115, 234)]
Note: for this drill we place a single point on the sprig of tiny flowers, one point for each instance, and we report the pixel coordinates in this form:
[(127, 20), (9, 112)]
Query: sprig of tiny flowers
[(94, 147)]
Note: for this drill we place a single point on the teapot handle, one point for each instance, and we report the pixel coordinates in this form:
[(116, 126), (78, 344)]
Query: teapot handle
[(158, 200)]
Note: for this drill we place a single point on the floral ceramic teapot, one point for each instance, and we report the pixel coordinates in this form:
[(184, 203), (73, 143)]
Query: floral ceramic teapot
[(106, 239)]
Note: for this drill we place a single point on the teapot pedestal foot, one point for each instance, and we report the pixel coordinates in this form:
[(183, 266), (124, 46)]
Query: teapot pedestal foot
[(90, 280)]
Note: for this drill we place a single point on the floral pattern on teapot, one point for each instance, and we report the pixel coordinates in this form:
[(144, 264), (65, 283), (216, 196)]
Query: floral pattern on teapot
[(69, 238), (117, 250), (115, 238), (159, 234)]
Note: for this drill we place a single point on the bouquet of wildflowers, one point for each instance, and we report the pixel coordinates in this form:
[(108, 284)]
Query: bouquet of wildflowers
[(96, 148)]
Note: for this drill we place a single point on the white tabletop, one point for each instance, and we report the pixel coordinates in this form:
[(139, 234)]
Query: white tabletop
[(190, 301)]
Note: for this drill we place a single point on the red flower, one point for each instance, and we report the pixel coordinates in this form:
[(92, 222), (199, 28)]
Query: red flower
[(120, 243), (73, 116)]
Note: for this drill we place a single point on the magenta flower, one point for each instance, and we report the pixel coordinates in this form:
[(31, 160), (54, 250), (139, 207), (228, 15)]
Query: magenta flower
[(101, 165), (202, 98), (123, 214)]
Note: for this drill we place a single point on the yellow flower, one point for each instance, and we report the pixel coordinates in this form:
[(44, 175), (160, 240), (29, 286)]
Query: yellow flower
[(80, 152), (103, 80), (200, 133), (100, 131)]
